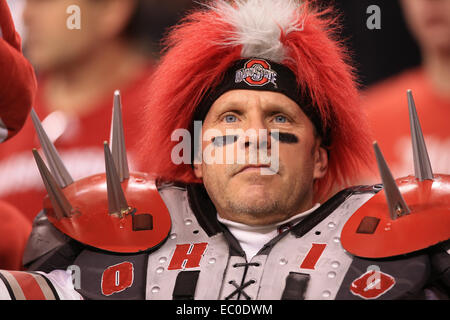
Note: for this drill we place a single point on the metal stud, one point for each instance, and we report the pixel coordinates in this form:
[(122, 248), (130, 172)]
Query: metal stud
[(396, 203), (422, 164), (117, 139), (55, 163), (61, 206), (117, 204)]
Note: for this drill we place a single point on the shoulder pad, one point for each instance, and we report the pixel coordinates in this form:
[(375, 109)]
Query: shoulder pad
[(372, 233), (48, 248), (329, 206), (144, 226), (44, 238)]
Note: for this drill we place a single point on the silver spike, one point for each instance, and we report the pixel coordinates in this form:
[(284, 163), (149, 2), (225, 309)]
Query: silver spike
[(61, 205), (396, 203), (55, 163), (117, 204), (117, 139), (422, 164)]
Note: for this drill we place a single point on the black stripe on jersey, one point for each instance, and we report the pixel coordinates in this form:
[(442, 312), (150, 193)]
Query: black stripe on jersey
[(50, 284), (8, 286)]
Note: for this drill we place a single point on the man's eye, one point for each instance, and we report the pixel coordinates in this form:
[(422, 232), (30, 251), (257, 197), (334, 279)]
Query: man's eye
[(280, 119), (230, 118)]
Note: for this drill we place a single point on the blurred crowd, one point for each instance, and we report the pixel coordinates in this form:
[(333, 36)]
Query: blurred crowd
[(386, 102), (117, 48)]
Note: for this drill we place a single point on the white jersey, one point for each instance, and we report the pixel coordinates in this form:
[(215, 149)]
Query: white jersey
[(202, 259)]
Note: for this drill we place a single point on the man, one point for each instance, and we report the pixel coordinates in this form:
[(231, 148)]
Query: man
[(279, 90), (429, 22)]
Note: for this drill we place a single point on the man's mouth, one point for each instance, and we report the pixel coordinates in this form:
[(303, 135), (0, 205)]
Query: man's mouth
[(260, 168)]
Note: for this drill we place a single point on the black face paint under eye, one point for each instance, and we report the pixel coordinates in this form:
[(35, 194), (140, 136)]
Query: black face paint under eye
[(224, 140), (285, 137)]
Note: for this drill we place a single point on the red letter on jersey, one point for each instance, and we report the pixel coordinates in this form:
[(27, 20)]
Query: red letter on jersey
[(313, 256), (117, 278), (187, 256)]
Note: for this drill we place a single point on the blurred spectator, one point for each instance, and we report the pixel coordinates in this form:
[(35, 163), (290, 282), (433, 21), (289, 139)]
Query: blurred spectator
[(16, 8), (78, 71), (386, 103), (17, 91)]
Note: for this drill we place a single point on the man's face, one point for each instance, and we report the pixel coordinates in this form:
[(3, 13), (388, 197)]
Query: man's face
[(241, 192), (429, 20)]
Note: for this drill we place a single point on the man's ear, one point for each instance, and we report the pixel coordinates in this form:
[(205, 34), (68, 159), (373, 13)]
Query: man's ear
[(320, 162)]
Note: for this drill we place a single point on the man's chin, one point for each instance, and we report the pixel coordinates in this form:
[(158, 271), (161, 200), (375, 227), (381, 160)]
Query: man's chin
[(255, 188), (256, 207), (256, 195)]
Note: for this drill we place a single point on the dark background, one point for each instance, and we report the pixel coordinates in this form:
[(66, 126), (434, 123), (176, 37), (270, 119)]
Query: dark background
[(377, 54)]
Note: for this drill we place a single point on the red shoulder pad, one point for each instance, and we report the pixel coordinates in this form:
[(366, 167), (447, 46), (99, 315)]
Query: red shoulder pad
[(141, 229), (371, 233)]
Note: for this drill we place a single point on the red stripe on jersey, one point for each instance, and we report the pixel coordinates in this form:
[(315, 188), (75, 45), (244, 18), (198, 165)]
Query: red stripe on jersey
[(29, 285), (313, 255)]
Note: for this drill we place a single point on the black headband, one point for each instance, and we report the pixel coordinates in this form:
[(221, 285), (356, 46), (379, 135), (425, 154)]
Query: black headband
[(264, 75)]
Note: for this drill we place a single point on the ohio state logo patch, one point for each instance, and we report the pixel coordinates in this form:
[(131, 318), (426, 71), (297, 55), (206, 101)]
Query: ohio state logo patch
[(117, 278), (256, 72), (372, 284)]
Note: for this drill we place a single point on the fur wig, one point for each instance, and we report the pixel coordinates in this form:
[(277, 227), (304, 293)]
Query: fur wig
[(201, 48)]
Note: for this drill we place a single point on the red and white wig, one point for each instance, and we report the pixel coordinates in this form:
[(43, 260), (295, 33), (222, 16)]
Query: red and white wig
[(208, 41)]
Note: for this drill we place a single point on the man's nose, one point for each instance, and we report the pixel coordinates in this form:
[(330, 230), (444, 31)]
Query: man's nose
[(258, 134)]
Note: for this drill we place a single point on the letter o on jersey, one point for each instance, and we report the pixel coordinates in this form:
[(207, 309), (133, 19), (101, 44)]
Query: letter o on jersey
[(117, 278)]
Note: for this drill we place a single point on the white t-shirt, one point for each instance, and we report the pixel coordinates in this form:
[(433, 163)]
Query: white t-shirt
[(253, 238)]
